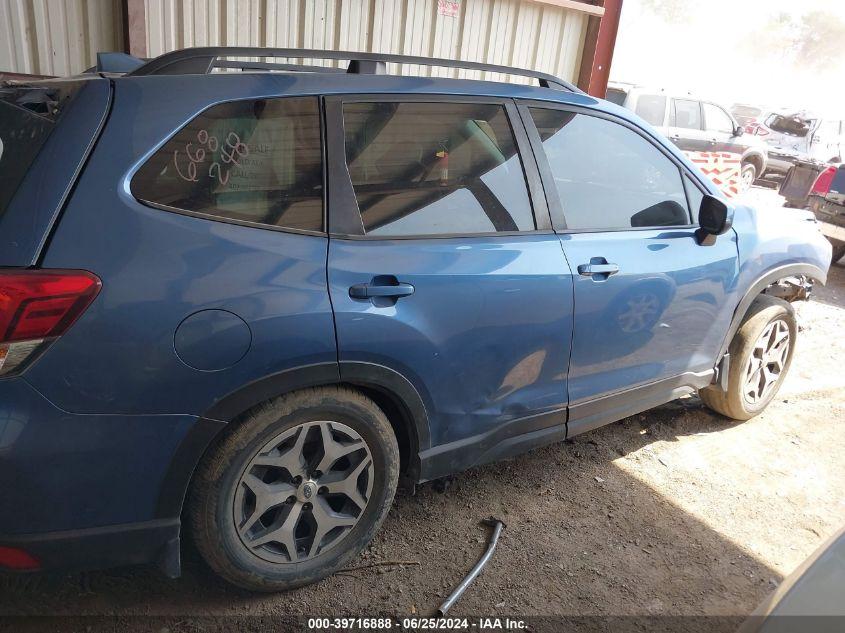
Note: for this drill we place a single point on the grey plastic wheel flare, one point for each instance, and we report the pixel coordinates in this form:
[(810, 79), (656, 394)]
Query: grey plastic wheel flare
[(303, 492)]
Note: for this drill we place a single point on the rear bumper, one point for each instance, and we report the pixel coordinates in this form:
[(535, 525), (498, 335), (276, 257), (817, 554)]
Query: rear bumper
[(100, 548), (92, 490)]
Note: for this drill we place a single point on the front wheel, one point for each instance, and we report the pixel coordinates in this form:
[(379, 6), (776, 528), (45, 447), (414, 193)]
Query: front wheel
[(296, 490), (760, 357), (747, 176)]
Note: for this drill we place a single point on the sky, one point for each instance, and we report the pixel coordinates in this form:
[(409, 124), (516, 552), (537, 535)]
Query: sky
[(747, 51)]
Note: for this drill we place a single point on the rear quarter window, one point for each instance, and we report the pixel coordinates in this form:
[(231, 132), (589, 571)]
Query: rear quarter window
[(257, 162), (614, 95)]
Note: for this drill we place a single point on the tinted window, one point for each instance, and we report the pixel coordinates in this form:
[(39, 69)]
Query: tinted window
[(435, 168), (652, 108), (617, 96), (838, 183), (608, 176), (254, 161), (717, 120), (687, 114), (27, 117)]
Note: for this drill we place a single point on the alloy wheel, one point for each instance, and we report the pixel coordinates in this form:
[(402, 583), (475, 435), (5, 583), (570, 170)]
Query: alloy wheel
[(303, 492), (767, 362), (747, 177)]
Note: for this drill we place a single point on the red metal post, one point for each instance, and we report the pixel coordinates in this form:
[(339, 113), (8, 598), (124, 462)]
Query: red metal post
[(599, 43), (135, 28)]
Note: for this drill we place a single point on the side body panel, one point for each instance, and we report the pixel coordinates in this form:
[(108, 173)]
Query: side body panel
[(485, 336), (158, 268)]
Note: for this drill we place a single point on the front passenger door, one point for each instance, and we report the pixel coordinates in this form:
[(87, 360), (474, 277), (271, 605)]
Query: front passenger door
[(650, 301), (720, 129)]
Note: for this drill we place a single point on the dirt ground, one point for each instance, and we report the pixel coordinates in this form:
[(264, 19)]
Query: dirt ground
[(677, 511)]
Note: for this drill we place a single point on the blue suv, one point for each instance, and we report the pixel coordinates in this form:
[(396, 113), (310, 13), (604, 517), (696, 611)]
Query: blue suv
[(248, 299)]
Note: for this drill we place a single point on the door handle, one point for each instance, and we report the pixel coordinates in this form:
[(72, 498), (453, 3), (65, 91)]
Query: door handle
[(368, 291), (383, 290), (598, 268)]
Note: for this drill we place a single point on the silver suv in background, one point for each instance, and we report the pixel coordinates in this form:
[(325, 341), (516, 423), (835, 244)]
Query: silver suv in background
[(694, 125)]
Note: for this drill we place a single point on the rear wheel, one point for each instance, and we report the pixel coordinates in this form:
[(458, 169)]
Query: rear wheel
[(296, 490), (760, 357)]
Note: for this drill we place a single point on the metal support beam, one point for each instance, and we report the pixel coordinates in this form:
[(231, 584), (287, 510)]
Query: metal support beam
[(575, 5), (135, 28), (599, 43)]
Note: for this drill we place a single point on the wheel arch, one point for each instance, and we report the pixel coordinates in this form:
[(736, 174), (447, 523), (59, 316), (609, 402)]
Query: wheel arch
[(391, 391), (759, 286), (757, 160)]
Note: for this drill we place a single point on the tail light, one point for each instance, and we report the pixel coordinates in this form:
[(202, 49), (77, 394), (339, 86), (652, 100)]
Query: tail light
[(17, 559), (37, 307), (823, 181)]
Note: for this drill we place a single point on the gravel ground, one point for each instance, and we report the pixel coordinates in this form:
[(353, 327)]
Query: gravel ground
[(677, 511)]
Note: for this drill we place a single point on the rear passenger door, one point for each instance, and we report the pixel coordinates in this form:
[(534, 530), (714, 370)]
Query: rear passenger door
[(686, 126), (649, 299), (442, 271)]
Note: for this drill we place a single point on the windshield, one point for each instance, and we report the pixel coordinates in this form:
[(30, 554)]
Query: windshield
[(791, 124)]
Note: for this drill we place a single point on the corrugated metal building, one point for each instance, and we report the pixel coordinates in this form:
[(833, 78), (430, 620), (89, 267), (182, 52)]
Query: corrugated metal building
[(60, 37)]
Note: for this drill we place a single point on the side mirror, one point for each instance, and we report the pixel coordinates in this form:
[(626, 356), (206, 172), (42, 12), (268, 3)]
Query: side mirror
[(714, 218), (738, 131)]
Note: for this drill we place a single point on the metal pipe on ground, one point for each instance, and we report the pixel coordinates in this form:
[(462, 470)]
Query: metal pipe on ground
[(497, 525)]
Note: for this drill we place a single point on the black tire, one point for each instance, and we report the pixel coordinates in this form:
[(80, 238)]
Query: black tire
[(212, 495), (733, 402), (838, 251)]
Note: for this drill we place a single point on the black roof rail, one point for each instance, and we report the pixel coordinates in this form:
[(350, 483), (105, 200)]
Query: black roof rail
[(202, 60)]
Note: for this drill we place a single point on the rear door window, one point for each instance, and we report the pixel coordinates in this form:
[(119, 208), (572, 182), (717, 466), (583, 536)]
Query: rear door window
[(257, 162), (435, 169), (687, 114), (652, 108)]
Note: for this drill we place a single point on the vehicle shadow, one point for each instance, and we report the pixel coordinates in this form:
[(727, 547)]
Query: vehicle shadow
[(583, 537)]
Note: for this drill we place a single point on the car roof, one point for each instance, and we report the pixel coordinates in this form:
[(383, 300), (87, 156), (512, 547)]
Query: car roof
[(227, 84)]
